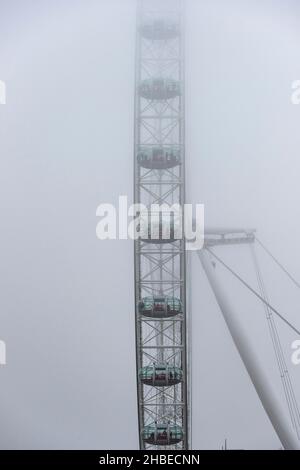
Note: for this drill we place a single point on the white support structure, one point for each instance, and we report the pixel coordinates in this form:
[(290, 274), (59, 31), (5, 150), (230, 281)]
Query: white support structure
[(264, 389)]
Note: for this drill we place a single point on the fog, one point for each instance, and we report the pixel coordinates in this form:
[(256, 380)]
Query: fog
[(66, 145)]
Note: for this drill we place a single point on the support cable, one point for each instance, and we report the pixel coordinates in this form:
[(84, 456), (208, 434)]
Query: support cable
[(297, 284), (282, 366), (237, 276)]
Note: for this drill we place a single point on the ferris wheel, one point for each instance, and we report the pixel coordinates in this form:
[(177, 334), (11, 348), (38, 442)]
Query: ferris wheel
[(160, 263), (162, 320)]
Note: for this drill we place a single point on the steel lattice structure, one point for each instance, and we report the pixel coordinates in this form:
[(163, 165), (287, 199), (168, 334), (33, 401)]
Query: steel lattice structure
[(160, 265)]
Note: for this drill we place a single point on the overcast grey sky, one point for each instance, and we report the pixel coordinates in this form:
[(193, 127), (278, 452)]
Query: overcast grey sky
[(66, 145)]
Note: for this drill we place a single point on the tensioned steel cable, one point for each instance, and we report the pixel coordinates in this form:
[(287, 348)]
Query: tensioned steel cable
[(278, 263), (237, 276), (280, 359)]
